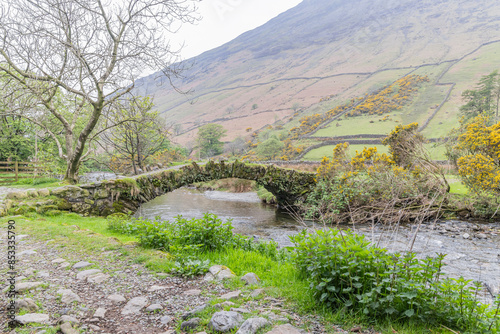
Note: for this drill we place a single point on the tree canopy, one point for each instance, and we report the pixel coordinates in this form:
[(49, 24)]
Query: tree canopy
[(208, 139), (72, 60)]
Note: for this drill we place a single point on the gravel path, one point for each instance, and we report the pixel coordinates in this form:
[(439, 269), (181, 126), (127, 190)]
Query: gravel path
[(41, 262), (110, 294)]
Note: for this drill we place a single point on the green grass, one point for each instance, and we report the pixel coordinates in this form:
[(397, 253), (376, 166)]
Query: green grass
[(437, 152), (360, 125), (456, 186), (37, 183)]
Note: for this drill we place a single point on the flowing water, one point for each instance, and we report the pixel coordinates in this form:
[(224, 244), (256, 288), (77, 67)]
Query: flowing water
[(472, 248)]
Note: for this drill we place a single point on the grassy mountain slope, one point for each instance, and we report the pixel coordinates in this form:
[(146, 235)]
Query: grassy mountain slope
[(323, 53)]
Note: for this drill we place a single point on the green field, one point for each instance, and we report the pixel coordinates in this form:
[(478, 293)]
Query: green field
[(360, 125), (437, 152)]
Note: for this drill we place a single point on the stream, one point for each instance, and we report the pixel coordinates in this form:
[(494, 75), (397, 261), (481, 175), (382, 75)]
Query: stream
[(472, 247)]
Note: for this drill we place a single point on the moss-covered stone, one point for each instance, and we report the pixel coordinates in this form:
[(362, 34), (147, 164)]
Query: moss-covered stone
[(33, 193), (52, 213), (21, 210), (101, 193), (63, 204), (45, 208), (8, 204), (43, 192), (88, 201), (80, 207), (71, 193), (119, 207), (16, 195)]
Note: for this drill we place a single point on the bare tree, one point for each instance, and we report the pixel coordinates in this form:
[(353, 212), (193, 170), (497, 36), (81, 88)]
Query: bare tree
[(75, 58), (133, 142)]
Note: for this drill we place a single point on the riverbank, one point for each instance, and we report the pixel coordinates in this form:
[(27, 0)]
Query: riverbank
[(52, 247), (72, 266)]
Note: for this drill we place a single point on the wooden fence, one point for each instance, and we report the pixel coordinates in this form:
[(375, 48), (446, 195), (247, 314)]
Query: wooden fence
[(13, 171)]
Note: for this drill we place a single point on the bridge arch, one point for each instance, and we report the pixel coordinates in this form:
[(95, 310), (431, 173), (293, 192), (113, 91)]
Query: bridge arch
[(126, 195)]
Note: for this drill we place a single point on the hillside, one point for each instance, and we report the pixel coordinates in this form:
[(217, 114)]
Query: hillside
[(323, 53)]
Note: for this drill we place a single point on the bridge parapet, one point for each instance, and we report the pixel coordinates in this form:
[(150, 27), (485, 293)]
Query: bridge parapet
[(126, 195)]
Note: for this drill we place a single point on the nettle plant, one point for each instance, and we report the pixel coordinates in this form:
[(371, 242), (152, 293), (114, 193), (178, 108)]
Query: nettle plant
[(346, 271), (189, 237)]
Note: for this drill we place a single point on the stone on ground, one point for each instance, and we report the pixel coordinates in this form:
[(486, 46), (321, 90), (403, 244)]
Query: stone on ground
[(225, 321), (256, 293), (98, 278), (135, 305), (117, 298), (58, 260), (193, 292), (30, 318), (251, 279), (231, 295), (218, 272), (81, 264), (66, 328), (26, 286), (194, 311), (165, 319), (86, 273), (25, 304), (100, 313), (252, 325), (68, 296), (154, 307), (190, 324), (68, 318), (285, 329)]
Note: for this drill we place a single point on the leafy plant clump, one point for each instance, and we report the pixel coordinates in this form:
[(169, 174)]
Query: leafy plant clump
[(187, 237), (345, 271), (190, 267)]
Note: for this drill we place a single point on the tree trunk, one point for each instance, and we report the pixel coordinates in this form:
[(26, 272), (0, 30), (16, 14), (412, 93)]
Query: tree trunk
[(71, 175), (139, 159), (134, 165)]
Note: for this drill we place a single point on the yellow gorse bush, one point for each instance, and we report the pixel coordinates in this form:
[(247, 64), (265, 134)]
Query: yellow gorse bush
[(479, 165)]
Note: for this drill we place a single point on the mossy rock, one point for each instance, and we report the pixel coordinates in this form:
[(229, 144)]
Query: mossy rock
[(44, 192), (21, 210), (53, 213), (33, 193), (89, 201), (45, 208), (70, 192), (119, 207), (101, 193), (80, 207), (63, 204), (118, 215), (21, 194)]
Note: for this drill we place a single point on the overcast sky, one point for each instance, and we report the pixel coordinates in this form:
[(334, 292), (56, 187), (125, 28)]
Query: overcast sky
[(223, 20)]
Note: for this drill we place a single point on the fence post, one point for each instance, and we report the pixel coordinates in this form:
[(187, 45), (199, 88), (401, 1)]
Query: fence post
[(16, 168)]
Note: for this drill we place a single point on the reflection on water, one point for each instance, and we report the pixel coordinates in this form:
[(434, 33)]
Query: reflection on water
[(249, 216)]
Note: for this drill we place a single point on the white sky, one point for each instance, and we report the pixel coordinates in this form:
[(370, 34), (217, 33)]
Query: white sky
[(223, 20)]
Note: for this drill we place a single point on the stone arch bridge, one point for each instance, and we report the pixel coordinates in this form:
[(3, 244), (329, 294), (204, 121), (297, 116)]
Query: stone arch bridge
[(126, 195)]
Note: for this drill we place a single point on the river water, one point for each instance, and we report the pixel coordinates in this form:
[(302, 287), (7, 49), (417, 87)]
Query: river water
[(472, 248)]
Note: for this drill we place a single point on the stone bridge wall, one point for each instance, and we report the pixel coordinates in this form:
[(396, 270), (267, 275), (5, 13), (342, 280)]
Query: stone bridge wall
[(126, 195)]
